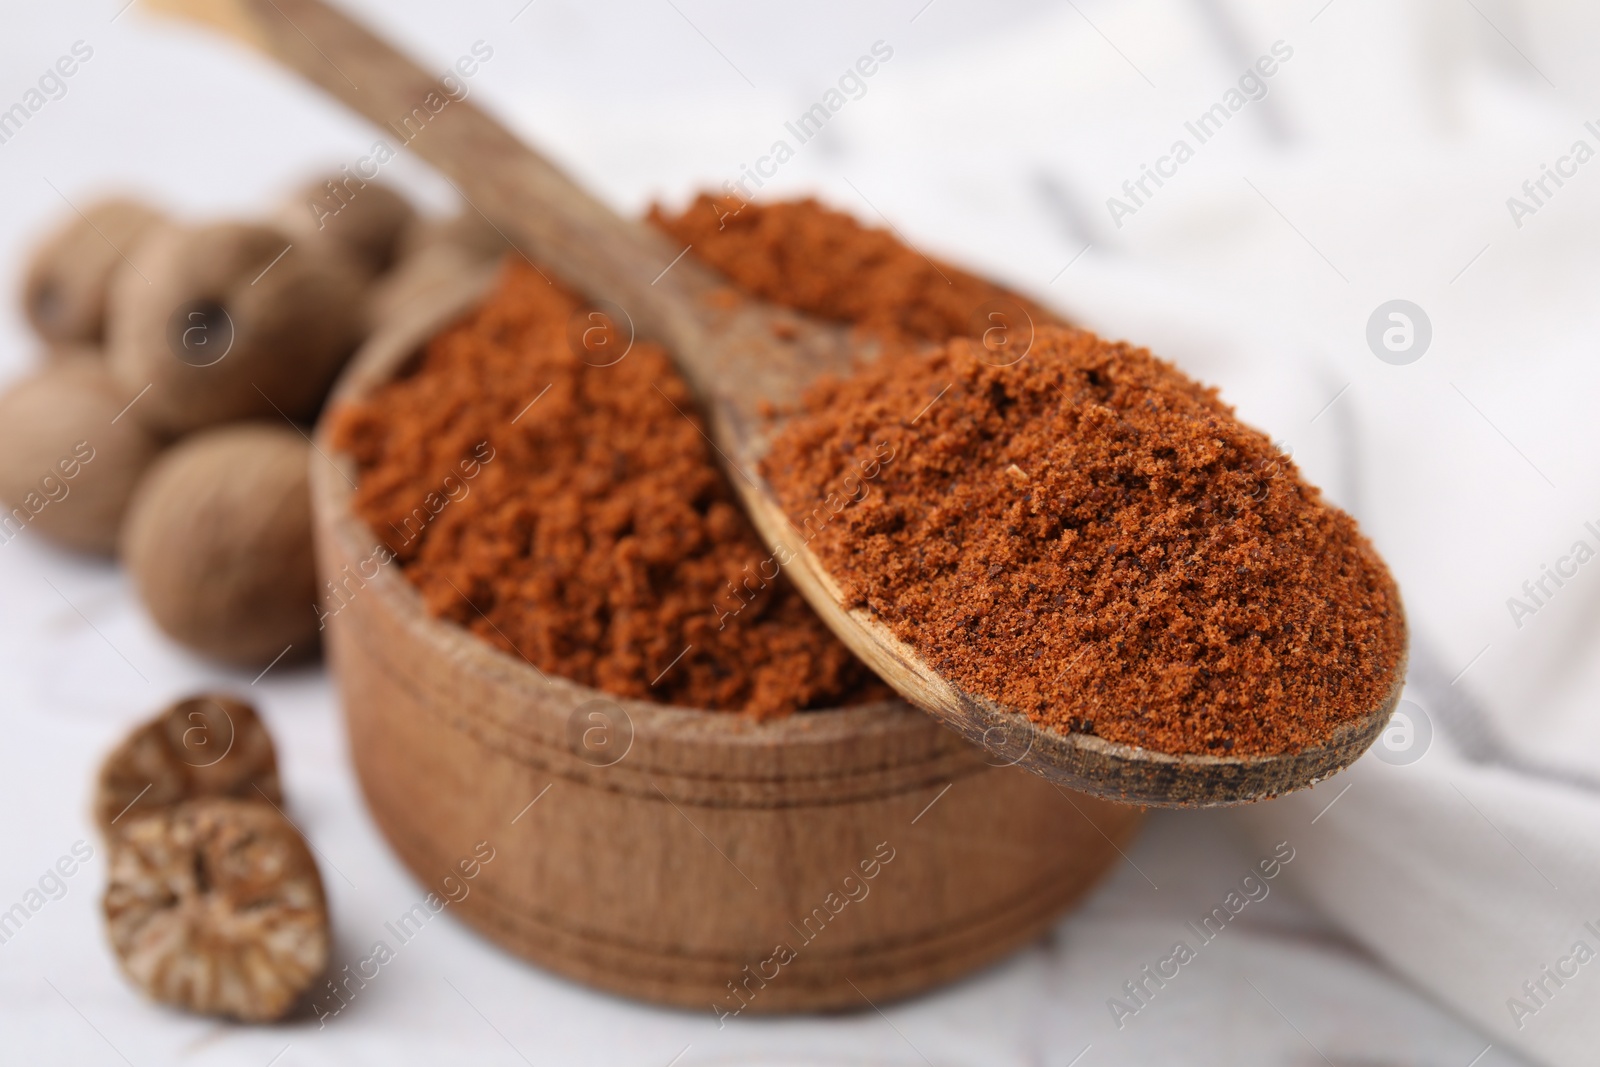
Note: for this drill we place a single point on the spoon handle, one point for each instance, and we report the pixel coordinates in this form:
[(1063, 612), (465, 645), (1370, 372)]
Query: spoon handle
[(736, 354), (545, 215)]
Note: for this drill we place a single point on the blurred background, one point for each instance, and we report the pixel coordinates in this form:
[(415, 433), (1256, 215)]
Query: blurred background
[(1383, 160)]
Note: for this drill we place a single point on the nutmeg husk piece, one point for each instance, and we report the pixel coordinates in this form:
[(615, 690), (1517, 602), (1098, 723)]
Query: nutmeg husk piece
[(210, 745), (365, 219), (68, 462), (68, 278), (216, 906), (218, 543), (231, 321)]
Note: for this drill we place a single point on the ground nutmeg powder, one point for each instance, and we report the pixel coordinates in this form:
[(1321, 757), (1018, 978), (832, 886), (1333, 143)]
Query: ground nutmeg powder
[(599, 541), (811, 258), (1092, 538)]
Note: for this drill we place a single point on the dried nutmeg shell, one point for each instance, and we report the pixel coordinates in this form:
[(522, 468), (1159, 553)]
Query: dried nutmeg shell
[(365, 219), (229, 321), (69, 456), (216, 906), (206, 746), (68, 278), (218, 543)]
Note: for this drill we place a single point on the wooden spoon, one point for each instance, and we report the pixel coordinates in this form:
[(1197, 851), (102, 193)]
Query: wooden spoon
[(737, 354)]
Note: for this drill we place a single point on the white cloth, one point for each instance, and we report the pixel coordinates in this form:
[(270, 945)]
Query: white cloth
[(1420, 897)]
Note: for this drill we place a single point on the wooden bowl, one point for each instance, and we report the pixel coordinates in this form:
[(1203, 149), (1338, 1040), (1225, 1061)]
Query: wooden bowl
[(676, 855)]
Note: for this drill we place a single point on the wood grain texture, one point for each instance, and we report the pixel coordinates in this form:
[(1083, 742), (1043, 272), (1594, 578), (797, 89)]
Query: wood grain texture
[(714, 839), (740, 356)]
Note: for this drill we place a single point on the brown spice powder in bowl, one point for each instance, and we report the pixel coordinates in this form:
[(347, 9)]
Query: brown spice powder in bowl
[(1092, 538), (811, 258), (598, 539)]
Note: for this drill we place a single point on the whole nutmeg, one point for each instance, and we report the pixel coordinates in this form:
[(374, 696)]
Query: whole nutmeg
[(232, 320), (68, 277), (208, 745), (218, 544), (364, 218), (216, 906), (70, 455), (70, 351)]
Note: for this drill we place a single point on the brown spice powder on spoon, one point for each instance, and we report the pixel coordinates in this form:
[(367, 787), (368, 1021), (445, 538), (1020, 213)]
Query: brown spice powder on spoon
[(1094, 539)]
